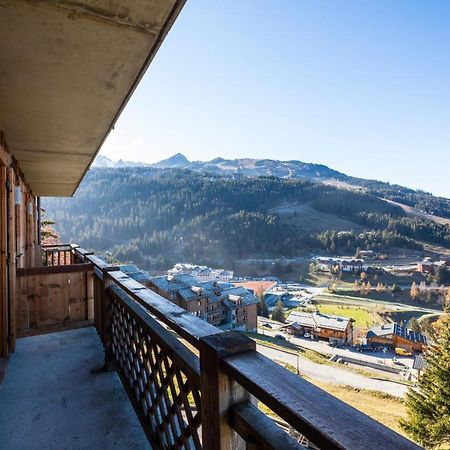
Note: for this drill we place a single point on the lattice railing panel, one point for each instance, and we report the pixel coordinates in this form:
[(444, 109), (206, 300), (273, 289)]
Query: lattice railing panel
[(163, 386)]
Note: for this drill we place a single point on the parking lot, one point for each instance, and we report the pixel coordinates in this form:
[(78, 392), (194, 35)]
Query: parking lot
[(378, 357)]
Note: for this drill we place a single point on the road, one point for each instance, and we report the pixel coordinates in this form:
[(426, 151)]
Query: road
[(328, 374)]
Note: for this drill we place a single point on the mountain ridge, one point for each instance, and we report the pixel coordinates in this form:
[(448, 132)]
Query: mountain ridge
[(254, 167)]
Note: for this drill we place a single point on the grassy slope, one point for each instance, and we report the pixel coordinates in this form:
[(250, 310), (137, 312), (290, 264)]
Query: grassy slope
[(308, 219), (384, 408), (362, 317)]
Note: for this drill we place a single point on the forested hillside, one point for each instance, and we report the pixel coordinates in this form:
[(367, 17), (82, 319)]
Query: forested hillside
[(423, 201), (156, 216)]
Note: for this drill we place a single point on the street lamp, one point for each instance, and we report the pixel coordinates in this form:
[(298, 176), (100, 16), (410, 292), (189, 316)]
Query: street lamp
[(298, 371)]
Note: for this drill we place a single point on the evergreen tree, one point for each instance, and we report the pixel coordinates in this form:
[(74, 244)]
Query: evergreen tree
[(396, 289), (278, 312), (428, 405), (262, 307), (414, 325)]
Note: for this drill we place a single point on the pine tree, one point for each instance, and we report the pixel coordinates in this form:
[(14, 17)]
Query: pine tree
[(414, 325), (278, 312), (262, 307), (428, 405)]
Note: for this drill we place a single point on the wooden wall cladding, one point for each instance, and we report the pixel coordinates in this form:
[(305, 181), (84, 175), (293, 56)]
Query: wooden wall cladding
[(49, 301), (4, 329)]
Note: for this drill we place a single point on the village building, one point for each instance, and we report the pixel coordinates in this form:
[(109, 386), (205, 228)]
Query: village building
[(225, 307), (335, 329), (133, 272), (258, 287), (202, 273), (344, 264), (366, 253), (428, 266), (394, 335)]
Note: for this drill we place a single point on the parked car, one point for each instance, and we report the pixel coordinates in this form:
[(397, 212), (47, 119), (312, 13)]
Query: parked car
[(402, 352), (307, 335), (280, 336), (366, 348), (397, 362)]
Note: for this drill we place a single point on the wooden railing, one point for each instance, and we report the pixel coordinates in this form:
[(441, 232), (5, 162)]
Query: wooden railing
[(58, 255), (193, 386)]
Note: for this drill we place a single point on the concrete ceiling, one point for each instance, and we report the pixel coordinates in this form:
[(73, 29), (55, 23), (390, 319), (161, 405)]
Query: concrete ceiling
[(67, 69)]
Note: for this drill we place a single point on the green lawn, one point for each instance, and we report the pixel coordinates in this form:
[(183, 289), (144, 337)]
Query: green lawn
[(362, 317)]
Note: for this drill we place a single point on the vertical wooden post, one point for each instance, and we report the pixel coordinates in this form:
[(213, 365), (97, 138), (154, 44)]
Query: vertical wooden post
[(106, 317), (3, 265), (90, 295), (19, 230), (12, 258), (219, 392), (39, 221)]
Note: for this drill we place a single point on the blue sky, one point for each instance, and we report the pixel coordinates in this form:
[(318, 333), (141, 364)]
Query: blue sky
[(361, 86)]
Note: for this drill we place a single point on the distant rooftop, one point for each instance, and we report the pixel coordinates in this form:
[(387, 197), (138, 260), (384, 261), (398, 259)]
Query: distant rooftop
[(319, 320), (398, 330), (191, 289), (135, 273)]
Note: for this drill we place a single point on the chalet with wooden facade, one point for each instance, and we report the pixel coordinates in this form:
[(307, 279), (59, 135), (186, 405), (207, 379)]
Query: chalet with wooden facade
[(90, 357), (395, 335), (334, 329)]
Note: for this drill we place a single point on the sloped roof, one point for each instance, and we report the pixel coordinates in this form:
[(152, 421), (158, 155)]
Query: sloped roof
[(412, 336), (313, 320), (381, 330), (135, 273), (397, 329)]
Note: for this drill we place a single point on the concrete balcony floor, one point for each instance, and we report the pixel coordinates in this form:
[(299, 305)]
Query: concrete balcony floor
[(50, 400)]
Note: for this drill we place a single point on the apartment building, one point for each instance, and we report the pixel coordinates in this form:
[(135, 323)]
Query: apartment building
[(218, 304)]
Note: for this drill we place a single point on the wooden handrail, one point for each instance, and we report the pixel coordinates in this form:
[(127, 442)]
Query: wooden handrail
[(320, 417), (124, 310), (44, 270), (176, 318), (68, 246)]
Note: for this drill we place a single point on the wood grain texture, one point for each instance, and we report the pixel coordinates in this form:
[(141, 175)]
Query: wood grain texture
[(52, 298), (4, 331)]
